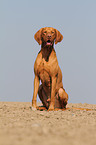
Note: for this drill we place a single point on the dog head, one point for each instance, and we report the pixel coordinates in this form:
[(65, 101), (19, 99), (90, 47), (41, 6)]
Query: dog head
[(47, 36)]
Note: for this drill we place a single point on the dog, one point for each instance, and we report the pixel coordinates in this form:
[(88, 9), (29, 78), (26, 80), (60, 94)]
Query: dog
[(46, 69)]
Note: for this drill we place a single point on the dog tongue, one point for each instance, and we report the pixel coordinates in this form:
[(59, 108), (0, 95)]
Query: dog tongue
[(48, 43)]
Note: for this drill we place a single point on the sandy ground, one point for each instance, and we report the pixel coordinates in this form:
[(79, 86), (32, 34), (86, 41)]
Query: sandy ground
[(19, 125)]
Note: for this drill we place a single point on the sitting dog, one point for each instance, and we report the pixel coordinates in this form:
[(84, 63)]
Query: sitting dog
[(46, 68)]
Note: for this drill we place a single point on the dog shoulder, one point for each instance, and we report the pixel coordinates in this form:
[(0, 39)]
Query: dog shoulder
[(37, 61), (53, 64), (53, 58), (38, 58)]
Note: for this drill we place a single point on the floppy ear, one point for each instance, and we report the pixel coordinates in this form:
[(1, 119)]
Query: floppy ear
[(59, 36), (37, 36)]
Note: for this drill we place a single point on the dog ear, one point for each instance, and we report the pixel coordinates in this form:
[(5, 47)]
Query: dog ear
[(59, 36), (37, 36)]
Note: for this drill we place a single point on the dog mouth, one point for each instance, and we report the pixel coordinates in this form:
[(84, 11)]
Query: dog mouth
[(49, 43)]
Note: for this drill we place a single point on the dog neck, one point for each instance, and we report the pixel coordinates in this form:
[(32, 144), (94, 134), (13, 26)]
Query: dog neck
[(46, 51)]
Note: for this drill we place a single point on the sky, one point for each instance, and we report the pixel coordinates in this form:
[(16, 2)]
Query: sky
[(21, 19)]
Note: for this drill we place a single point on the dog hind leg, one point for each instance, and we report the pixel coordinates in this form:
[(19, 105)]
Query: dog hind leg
[(43, 97), (63, 97)]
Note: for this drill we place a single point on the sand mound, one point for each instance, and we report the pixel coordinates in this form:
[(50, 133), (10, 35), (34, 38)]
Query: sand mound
[(19, 125)]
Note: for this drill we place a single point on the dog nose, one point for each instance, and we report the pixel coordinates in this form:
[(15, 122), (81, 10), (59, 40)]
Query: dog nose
[(49, 36)]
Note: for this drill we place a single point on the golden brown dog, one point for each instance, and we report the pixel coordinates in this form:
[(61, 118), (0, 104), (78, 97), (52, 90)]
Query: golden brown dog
[(46, 69)]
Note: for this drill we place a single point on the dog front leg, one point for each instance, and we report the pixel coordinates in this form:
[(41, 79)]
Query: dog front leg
[(36, 87), (53, 88)]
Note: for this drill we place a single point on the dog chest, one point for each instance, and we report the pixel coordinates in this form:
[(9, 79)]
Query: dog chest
[(45, 69), (45, 78), (44, 72)]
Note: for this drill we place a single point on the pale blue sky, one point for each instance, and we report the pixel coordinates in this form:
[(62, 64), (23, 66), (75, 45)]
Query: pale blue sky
[(75, 19)]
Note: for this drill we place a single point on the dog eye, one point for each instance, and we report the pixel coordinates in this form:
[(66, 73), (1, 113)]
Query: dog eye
[(52, 32), (45, 32)]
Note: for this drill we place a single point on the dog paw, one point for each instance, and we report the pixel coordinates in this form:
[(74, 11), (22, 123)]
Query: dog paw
[(51, 108), (34, 109)]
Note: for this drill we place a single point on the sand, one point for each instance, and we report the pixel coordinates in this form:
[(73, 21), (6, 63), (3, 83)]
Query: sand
[(19, 125)]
